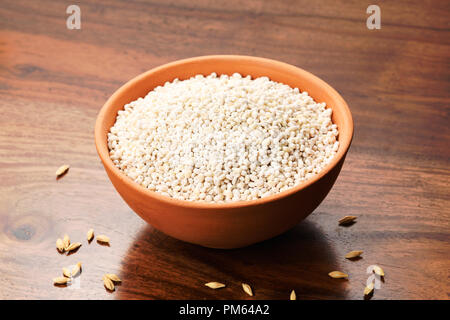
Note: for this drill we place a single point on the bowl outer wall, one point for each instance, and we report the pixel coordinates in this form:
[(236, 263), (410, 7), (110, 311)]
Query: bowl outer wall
[(235, 224)]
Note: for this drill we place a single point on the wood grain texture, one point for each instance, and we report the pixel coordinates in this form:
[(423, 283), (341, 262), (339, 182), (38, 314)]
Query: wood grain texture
[(396, 81)]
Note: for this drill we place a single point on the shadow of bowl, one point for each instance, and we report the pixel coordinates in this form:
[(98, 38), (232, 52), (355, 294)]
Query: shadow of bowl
[(160, 267)]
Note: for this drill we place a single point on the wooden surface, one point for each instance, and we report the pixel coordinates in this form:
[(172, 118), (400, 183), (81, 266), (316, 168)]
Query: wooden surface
[(53, 82)]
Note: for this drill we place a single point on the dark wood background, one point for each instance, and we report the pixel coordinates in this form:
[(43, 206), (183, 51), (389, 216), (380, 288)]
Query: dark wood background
[(53, 81)]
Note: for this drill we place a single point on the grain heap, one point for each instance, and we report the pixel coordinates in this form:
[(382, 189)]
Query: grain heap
[(222, 138)]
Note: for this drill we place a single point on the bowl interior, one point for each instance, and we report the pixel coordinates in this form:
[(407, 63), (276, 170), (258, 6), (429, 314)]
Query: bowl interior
[(245, 65)]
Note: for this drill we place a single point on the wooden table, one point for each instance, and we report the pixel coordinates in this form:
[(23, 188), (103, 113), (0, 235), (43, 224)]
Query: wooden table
[(53, 81)]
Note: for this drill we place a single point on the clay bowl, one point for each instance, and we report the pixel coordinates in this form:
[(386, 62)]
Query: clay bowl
[(236, 224)]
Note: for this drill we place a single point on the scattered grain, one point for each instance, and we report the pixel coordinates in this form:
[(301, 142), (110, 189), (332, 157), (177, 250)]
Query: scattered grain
[(90, 235), (108, 283), (66, 241), (338, 274), (368, 290), (73, 246), (347, 220), (378, 271), (103, 239), (61, 280), (60, 245), (62, 170), (214, 285), (113, 277), (66, 273), (76, 269), (247, 289), (353, 254), (293, 295)]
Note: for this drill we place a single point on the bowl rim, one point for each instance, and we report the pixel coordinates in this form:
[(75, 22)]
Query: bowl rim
[(103, 150)]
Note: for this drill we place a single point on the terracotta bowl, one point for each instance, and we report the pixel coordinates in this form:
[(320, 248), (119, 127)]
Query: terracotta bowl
[(236, 224)]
